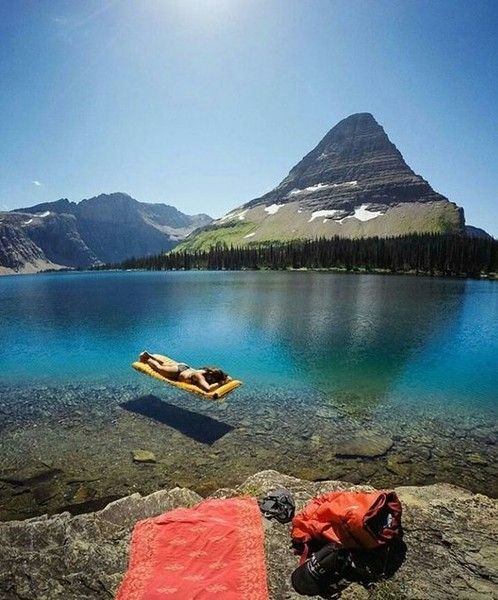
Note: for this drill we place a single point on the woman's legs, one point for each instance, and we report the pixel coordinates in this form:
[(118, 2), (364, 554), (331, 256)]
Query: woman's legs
[(160, 358), (145, 357), (170, 371)]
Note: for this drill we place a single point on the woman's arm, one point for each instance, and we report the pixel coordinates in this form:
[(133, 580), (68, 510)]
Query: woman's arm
[(201, 382)]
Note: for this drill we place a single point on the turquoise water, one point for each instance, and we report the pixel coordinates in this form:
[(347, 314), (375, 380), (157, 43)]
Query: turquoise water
[(369, 336), (365, 378)]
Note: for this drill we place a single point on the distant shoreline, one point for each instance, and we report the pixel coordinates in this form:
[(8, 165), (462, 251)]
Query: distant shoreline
[(481, 277), (427, 254), (432, 255)]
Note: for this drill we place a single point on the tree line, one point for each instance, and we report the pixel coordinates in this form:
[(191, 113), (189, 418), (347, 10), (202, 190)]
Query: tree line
[(432, 254)]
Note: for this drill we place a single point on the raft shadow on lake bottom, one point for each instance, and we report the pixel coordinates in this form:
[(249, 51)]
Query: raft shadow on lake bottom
[(198, 427)]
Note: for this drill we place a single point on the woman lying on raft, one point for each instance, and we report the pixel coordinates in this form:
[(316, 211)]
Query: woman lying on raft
[(206, 378)]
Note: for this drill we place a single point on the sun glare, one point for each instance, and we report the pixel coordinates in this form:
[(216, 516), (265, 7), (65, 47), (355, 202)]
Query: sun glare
[(196, 9)]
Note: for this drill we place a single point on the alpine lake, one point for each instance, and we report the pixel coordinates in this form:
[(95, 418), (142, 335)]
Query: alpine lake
[(386, 380)]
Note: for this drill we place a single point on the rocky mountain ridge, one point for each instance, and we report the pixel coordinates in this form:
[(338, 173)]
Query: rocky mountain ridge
[(448, 531), (354, 183), (106, 228)]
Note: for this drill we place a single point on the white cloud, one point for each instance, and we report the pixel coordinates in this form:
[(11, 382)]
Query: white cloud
[(37, 183)]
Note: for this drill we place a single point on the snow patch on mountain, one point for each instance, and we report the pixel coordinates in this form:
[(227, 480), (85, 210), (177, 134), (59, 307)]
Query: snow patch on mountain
[(319, 187), (233, 215), (310, 189), (273, 208), (363, 214), (323, 213)]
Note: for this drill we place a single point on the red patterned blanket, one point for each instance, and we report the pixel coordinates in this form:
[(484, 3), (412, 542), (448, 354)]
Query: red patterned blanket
[(212, 551)]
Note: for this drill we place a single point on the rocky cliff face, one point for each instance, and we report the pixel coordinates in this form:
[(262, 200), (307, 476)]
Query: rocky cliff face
[(354, 183), (18, 252), (107, 228), (449, 534), (60, 238)]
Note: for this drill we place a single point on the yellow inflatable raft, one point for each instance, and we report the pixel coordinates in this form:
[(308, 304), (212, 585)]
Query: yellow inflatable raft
[(188, 387)]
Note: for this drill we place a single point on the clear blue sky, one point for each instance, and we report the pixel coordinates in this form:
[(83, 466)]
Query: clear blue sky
[(206, 104)]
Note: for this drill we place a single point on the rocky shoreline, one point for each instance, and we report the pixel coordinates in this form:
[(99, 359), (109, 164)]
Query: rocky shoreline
[(449, 532)]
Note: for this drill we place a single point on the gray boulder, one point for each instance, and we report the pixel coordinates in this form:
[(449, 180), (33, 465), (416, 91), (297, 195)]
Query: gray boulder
[(449, 532)]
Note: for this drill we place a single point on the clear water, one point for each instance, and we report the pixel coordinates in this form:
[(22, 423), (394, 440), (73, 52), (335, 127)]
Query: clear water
[(403, 356), (372, 336)]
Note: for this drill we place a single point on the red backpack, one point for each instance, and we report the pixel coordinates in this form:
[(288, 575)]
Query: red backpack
[(351, 520)]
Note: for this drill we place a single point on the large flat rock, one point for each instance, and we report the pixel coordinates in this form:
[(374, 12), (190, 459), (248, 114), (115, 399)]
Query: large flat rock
[(364, 446), (450, 535)]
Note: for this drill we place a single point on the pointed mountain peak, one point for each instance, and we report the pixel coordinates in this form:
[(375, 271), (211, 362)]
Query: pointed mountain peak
[(353, 184), (354, 125), (364, 118), (354, 163)]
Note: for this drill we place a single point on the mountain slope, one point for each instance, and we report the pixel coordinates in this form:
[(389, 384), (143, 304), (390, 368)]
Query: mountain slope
[(18, 253), (354, 183), (106, 228)]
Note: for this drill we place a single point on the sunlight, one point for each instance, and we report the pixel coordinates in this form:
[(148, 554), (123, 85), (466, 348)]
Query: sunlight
[(196, 9)]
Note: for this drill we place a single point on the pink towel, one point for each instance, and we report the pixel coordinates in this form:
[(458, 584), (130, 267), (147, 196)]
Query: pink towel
[(212, 551)]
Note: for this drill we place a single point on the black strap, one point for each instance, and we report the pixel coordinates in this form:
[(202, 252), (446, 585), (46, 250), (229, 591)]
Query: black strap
[(278, 505)]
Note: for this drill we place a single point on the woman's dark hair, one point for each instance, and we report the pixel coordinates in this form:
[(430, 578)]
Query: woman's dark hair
[(214, 375)]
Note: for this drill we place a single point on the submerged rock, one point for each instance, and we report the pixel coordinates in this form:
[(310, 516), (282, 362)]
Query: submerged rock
[(33, 474), (326, 413), (364, 446), (83, 494), (44, 492), (399, 465), (476, 459), (143, 456), (449, 533)]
